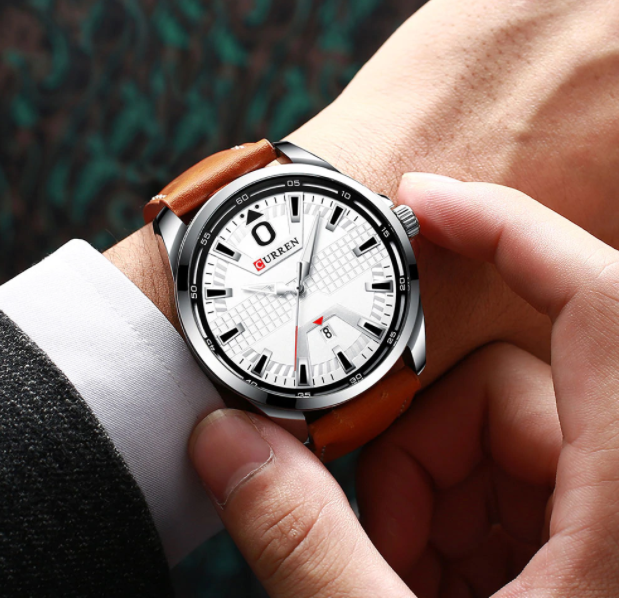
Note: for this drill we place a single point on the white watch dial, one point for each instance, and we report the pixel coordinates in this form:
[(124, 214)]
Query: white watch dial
[(298, 338)]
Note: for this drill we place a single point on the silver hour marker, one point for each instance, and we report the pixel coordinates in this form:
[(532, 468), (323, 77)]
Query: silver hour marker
[(294, 201), (217, 293), (260, 365), (371, 329), (302, 373), (347, 365), (229, 335), (335, 217), (366, 246), (226, 251), (382, 286)]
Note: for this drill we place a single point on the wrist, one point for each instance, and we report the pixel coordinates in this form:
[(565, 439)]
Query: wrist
[(478, 106), (139, 258)]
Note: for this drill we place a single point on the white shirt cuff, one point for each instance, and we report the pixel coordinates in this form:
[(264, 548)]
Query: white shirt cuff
[(134, 371)]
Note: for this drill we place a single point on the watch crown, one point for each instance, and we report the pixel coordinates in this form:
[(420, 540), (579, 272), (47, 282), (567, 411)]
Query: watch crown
[(408, 219)]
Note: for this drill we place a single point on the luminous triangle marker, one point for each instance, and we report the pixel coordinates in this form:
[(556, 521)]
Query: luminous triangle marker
[(252, 216), (318, 321)]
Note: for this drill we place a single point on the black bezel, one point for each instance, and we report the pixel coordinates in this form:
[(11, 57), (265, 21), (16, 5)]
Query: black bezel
[(182, 250), (262, 189)]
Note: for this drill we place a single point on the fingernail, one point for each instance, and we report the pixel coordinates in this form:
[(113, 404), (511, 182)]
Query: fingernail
[(226, 450), (428, 177)]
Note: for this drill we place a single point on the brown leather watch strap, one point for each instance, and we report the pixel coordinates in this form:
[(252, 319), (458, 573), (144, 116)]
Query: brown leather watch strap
[(353, 424), (197, 184)]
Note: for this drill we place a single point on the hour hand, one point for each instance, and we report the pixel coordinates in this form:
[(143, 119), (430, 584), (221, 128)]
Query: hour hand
[(274, 288), (309, 250)]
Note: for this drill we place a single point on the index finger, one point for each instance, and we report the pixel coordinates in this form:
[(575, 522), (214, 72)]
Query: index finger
[(553, 264), (545, 258)]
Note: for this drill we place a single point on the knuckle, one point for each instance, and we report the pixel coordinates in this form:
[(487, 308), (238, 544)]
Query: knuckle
[(498, 354), (290, 537), (595, 308), (604, 286)]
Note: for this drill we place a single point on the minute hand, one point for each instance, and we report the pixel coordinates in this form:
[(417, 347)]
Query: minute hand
[(309, 250)]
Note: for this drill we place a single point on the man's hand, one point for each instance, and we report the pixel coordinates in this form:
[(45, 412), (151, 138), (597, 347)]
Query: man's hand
[(457, 495)]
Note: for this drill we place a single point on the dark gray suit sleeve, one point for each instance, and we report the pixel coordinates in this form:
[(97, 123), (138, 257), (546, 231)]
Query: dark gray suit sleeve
[(73, 522)]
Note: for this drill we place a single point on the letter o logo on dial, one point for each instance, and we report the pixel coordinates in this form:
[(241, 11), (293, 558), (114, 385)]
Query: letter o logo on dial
[(267, 234), (259, 265)]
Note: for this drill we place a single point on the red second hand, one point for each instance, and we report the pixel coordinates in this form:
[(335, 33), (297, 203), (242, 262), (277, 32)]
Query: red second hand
[(297, 318)]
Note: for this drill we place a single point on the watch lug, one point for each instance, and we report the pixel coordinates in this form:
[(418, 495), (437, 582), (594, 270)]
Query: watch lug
[(389, 202), (297, 155), (415, 355), (289, 419), (171, 229)]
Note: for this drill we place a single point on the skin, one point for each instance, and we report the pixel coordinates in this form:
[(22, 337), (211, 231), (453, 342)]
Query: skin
[(456, 496), (523, 96), (526, 95)]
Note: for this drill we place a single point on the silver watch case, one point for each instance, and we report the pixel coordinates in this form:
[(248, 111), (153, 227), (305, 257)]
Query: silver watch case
[(180, 242)]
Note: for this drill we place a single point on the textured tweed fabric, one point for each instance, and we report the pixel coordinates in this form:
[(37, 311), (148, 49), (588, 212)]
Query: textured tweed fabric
[(72, 520)]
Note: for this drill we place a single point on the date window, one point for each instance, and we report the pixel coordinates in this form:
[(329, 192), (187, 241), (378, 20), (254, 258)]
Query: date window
[(327, 332)]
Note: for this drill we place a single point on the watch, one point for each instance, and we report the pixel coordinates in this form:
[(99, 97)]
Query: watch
[(297, 290)]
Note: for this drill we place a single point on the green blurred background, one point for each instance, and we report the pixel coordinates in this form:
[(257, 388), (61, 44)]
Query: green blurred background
[(104, 101)]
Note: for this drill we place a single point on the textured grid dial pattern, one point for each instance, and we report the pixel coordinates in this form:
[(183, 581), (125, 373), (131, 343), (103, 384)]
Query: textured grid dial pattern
[(337, 265), (334, 266), (260, 314)]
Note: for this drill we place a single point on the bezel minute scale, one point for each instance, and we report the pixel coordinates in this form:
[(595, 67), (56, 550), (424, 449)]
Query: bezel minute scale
[(297, 286)]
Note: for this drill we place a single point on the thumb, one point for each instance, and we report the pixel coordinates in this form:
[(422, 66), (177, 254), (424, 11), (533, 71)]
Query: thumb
[(285, 512)]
